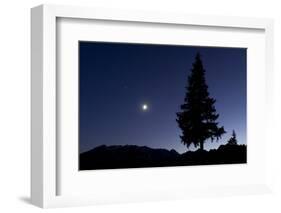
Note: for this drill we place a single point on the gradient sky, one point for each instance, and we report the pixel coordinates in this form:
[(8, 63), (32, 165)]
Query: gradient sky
[(116, 79)]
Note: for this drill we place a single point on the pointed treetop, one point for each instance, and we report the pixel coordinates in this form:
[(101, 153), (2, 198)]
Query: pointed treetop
[(232, 140)]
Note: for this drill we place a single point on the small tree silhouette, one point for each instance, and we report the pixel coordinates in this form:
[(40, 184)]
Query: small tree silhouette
[(198, 116), (232, 140)]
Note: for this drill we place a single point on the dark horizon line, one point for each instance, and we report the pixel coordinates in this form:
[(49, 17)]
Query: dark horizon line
[(188, 150)]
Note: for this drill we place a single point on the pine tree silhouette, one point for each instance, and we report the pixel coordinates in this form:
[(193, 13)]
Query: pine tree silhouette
[(198, 116), (232, 140)]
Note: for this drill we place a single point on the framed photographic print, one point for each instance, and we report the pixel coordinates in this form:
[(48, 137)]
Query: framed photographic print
[(149, 106)]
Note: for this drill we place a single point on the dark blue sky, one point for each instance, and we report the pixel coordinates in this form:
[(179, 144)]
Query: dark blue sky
[(116, 79)]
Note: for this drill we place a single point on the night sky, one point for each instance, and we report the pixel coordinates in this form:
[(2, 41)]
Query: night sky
[(119, 80)]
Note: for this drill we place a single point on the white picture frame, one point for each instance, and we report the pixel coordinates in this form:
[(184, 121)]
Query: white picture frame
[(44, 149)]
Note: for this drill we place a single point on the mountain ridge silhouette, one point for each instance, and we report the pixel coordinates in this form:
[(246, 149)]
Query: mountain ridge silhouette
[(133, 156)]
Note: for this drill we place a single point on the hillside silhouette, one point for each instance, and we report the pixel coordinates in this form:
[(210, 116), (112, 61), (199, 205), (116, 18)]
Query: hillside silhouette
[(132, 156)]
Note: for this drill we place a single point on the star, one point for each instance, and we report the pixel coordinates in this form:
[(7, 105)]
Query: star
[(144, 107)]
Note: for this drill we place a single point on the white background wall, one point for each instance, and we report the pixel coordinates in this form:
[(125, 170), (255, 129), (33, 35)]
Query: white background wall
[(15, 104)]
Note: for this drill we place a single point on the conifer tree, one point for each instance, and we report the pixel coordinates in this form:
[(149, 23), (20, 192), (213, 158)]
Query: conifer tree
[(198, 118), (232, 140)]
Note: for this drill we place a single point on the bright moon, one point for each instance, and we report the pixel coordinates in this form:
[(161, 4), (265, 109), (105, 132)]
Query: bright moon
[(144, 107)]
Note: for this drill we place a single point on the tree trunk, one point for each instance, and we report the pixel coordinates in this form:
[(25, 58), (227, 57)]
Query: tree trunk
[(202, 145)]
